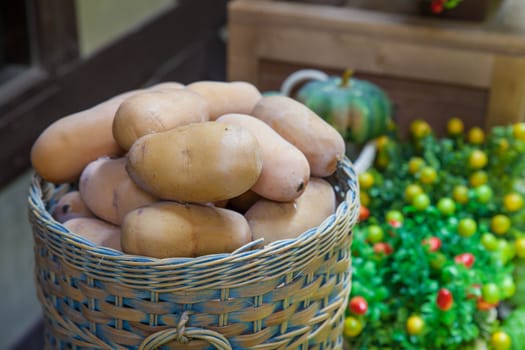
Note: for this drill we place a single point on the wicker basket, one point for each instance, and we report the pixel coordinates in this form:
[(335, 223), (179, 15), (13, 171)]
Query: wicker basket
[(291, 294)]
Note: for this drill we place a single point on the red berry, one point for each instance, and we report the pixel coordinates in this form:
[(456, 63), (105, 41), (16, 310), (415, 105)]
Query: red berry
[(358, 305), (433, 243), (395, 223), (364, 213), (444, 299), (466, 259), (383, 248), (436, 7)]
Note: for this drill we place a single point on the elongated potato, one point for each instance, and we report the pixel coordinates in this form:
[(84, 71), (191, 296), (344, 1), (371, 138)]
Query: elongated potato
[(274, 220), (285, 170), (201, 162), (71, 206), (109, 192), (322, 145), (169, 229), (96, 231), (155, 111), (65, 147), (227, 97)]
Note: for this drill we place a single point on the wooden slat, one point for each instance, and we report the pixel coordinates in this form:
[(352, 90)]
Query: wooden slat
[(345, 49), (54, 31), (507, 92), (242, 60), (387, 26)]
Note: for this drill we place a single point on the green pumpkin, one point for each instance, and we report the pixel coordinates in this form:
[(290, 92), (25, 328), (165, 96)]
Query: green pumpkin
[(358, 109)]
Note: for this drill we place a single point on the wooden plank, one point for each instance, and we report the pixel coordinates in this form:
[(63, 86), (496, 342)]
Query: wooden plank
[(242, 57), (137, 59), (54, 31), (387, 26), (507, 92), (413, 99), (378, 56)]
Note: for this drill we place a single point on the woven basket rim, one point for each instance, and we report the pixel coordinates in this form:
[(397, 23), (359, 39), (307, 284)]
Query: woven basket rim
[(38, 208)]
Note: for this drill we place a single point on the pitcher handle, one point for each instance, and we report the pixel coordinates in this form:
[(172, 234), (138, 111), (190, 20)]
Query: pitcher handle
[(300, 76)]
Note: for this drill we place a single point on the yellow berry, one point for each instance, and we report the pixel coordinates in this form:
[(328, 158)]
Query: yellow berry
[(513, 201), (352, 327), (518, 130), (455, 127), (500, 224), (366, 180), (503, 146), (411, 191), (415, 325), (477, 159), (382, 141), (428, 175), (478, 178), (500, 341), (364, 198), (476, 136), (460, 194), (420, 128), (415, 164)]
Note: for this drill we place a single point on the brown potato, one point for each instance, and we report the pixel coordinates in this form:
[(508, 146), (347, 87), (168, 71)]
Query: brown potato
[(169, 229), (227, 97), (201, 162), (155, 111), (274, 220), (109, 192), (63, 150), (96, 231), (285, 170), (71, 206), (322, 145), (66, 146)]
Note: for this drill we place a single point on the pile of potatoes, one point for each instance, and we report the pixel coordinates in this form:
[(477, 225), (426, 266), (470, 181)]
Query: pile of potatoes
[(185, 171)]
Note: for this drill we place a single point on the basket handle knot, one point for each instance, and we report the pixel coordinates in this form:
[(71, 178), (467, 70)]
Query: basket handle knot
[(183, 335), (181, 328)]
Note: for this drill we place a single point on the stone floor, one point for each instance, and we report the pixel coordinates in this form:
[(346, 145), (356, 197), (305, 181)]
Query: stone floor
[(19, 308)]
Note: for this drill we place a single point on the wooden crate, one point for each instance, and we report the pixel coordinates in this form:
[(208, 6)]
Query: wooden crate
[(432, 69)]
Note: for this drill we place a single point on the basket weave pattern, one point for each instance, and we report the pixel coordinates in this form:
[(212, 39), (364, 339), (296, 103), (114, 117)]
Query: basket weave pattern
[(289, 295)]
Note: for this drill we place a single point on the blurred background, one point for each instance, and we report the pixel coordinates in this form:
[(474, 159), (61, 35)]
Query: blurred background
[(61, 56)]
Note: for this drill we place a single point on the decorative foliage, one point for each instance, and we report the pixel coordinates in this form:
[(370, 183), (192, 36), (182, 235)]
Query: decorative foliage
[(443, 226)]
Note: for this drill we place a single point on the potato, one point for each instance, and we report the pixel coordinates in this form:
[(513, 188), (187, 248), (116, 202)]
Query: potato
[(169, 229), (71, 206), (65, 147), (322, 145), (227, 97), (155, 111), (201, 162), (243, 202), (274, 220), (285, 170), (109, 192), (96, 231)]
